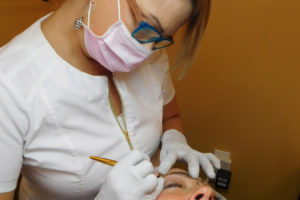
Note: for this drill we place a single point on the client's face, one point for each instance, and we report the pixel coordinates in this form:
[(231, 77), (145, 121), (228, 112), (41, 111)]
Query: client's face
[(179, 186)]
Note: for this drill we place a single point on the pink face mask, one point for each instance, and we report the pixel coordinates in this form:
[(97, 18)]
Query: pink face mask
[(116, 49)]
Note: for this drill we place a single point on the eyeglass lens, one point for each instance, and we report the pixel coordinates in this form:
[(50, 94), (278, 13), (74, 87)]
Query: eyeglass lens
[(162, 43), (146, 34)]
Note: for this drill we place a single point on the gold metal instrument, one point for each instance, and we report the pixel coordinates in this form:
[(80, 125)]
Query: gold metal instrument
[(104, 160)]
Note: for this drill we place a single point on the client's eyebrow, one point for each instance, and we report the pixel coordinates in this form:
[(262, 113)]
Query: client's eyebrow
[(200, 181), (178, 173)]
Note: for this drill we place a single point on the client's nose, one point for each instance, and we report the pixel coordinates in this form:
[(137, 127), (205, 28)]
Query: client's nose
[(203, 193)]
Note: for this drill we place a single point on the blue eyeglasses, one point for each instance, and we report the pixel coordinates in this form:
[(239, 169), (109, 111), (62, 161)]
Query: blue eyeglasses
[(145, 33)]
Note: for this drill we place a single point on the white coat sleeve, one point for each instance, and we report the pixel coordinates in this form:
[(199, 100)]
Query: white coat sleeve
[(13, 126), (168, 90)]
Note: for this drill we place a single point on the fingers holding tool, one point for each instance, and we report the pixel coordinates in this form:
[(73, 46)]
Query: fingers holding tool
[(131, 178)]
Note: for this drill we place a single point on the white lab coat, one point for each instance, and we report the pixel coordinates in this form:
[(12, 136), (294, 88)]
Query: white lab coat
[(53, 117)]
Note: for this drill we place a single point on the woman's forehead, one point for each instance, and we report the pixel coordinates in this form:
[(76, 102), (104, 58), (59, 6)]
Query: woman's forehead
[(171, 14)]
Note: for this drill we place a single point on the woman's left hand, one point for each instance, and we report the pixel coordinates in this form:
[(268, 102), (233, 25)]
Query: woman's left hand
[(175, 147)]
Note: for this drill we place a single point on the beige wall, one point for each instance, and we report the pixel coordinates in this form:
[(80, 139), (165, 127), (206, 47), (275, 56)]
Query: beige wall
[(242, 94), (16, 15)]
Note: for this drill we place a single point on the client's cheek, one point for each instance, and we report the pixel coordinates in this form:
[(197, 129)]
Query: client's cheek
[(170, 196)]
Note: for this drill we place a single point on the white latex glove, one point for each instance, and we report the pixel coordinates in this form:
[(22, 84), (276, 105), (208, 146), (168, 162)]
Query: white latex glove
[(156, 192), (175, 147), (132, 178)]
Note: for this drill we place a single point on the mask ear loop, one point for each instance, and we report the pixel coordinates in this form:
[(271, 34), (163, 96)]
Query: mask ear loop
[(80, 22), (89, 13), (119, 10)]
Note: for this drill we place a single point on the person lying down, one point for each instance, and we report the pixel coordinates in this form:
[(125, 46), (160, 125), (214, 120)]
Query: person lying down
[(134, 177), (178, 185)]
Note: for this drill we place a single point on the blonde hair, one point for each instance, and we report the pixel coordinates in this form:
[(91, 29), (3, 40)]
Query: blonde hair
[(193, 33)]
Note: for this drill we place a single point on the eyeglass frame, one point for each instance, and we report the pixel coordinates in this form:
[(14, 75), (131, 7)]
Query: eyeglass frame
[(144, 25)]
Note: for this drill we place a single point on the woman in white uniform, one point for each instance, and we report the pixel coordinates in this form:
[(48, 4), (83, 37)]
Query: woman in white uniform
[(92, 79)]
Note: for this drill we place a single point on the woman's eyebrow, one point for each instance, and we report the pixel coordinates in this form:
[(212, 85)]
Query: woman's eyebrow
[(158, 25)]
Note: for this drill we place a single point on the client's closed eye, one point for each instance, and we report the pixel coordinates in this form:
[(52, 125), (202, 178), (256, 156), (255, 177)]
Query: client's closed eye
[(172, 185)]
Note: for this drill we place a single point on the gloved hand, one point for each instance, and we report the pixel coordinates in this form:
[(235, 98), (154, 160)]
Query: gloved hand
[(175, 147), (156, 192), (132, 178)]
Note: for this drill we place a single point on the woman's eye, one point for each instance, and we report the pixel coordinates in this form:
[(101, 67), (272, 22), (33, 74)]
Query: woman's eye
[(172, 185)]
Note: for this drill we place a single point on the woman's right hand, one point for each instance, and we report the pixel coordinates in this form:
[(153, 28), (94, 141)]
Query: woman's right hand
[(132, 178)]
